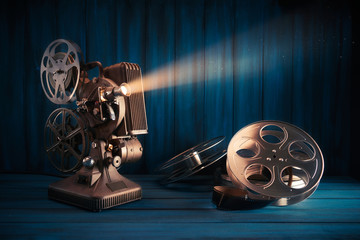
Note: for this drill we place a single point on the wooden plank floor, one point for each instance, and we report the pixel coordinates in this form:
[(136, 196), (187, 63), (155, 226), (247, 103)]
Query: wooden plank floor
[(185, 212)]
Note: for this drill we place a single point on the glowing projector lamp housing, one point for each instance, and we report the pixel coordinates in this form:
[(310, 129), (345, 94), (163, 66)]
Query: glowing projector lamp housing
[(275, 160)]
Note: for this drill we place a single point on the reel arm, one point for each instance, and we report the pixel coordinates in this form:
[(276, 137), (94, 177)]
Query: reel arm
[(91, 65)]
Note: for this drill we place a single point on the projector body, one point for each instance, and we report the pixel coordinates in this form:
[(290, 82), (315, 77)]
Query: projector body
[(105, 193), (97, 137)]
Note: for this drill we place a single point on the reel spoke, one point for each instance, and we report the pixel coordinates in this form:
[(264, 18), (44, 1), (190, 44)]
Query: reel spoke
[(62, 153), (73, 152), (276, 185), (63, 122), (69, 55), (310, 166), (50, 70), (56, 91), (50, 149), (63, 91), (249, 149), (73, 133), (52, 61), (54, 130), (249, 161), (290, 137), (67, 67)]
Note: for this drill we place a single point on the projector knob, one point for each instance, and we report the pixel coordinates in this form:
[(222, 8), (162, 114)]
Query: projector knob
[(88, 162), (116, 162)]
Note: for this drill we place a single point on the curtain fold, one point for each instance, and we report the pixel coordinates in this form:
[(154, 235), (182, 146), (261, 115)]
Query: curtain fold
[(210, 67)]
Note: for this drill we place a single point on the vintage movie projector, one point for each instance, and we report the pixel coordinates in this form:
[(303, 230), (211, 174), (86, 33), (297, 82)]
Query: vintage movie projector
[(100, 134)]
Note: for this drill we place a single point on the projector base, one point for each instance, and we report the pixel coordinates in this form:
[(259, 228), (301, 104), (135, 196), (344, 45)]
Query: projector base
[(108, 191)]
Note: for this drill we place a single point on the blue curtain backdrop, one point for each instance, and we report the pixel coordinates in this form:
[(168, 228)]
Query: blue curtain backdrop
[(221, 65)]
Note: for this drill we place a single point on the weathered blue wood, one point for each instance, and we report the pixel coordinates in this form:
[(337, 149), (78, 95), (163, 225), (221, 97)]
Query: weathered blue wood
[(338, 186), (265, 215), (277, 63), (291, 61), (167, 213), (333, 66), (29, 182), (218, 79), (170, 194), (156, 230), (189, 75), (25, 96), (107, 40), (159, 81), (173, 194), (41, 202), (43, 177), (248, 42)]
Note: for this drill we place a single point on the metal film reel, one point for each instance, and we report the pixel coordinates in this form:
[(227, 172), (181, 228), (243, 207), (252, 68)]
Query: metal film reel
[(193, 160), (60, 71), (66, 141), (275, 159)]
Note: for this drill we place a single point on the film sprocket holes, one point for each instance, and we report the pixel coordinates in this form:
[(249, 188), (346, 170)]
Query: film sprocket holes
[(98, 136)]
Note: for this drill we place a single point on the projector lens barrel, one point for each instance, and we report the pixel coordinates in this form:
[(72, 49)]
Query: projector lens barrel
[(122, 90)]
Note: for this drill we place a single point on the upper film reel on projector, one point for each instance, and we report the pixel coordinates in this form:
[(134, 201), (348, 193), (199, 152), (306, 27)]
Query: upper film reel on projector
[(193, 160), (276, 160), (60, 71)]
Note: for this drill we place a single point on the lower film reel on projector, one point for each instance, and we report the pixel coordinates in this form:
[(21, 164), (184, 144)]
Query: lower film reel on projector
[(192, 160), (273, 161), (66, 141)]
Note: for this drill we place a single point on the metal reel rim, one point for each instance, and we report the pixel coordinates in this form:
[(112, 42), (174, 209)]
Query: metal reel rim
[(178, 160), (183, 172)]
